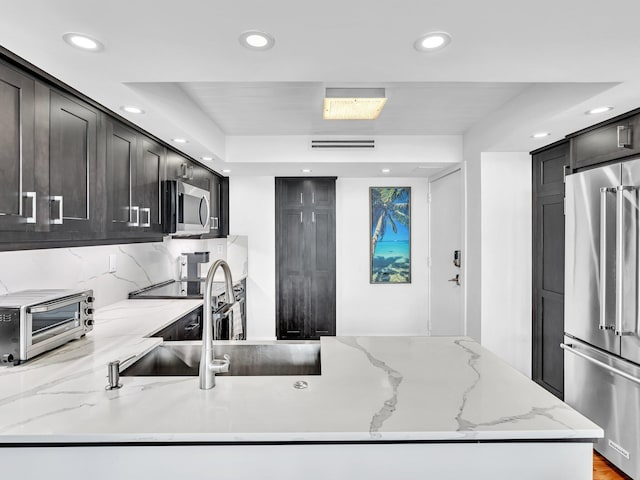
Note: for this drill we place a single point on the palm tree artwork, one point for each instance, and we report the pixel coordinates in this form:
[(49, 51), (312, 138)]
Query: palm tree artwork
[(390, 234)]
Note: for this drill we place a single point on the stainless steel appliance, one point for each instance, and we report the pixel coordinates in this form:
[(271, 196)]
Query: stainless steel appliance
[(186, 209), (602, 306), (195, 290), (35, 321)]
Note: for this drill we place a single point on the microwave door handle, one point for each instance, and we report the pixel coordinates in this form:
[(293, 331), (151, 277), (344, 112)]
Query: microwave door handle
[(603, 257), (204, 199)]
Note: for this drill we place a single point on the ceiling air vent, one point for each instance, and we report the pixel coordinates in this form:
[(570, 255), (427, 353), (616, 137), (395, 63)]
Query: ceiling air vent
[(320, 144)]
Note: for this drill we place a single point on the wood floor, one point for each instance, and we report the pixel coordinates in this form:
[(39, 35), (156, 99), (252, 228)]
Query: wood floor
[(603, 470)]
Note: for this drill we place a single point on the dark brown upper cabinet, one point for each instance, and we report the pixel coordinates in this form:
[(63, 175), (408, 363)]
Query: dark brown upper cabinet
[(73, 166), (614, 140), (135, 166), (18, 196)]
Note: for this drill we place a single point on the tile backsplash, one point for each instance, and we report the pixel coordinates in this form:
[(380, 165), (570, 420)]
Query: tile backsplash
[(137, 265)]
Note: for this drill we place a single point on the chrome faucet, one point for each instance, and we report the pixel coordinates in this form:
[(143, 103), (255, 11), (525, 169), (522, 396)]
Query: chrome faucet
[(209, 365)]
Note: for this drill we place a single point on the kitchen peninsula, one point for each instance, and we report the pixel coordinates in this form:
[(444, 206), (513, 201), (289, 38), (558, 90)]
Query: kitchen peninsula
[(383, 407)]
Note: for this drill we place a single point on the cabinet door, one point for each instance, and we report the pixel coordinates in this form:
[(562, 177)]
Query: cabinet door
[(73, 130), (17, 189), (149, 170), (616, 140), (121, 155), (216, 217)]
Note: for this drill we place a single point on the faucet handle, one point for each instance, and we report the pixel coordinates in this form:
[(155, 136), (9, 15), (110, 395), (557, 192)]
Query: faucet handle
[(219, 365)]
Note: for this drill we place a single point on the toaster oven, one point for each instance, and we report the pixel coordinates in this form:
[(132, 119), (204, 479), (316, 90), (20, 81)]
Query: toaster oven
[(35, 321)]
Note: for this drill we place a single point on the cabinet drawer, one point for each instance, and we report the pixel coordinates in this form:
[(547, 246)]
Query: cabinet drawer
[(610, 142)]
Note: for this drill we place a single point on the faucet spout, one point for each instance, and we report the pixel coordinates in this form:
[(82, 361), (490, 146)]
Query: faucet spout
[(209, 366)]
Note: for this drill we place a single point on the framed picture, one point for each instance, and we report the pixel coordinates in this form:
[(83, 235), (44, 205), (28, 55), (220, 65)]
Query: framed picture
[(390, 234)]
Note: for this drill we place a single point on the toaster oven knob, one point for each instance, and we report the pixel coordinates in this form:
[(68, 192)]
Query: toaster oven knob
[(7, 358), (88, 311), (88, 322), (90, 299)]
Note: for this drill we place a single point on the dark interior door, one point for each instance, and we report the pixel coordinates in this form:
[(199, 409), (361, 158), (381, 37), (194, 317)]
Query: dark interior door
[(549, 168), (305, 257)]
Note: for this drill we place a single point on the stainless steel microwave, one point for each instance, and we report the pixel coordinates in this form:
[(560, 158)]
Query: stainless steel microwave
[(186, 209), (35, 321)]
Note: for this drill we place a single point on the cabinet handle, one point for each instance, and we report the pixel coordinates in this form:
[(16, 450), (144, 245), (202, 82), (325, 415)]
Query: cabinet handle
[(313, 217), (147, 223), (300, 217), (626, 141), (184, 168), (137, 212), (313, 197), (60, 200), (33, 196), (301, 201), (191, 170)]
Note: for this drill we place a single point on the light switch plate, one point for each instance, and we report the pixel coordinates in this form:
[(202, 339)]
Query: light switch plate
[(112, 263)]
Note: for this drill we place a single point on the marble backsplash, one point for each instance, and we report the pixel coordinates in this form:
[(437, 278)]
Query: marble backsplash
[(137, 265)]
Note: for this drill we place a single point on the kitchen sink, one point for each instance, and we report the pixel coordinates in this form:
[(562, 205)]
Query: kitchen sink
[(247, 359)]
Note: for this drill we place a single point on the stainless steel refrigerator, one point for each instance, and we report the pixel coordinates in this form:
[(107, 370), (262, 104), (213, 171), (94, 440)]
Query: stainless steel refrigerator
[(602, 306)]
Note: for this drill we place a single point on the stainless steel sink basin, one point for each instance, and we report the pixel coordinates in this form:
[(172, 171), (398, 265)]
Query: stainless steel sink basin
[(247, 359)]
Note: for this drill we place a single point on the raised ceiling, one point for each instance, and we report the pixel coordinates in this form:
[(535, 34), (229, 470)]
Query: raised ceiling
[(295, 108)]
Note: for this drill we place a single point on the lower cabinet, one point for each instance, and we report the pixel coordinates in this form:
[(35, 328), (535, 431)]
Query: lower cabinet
[(305, 258)]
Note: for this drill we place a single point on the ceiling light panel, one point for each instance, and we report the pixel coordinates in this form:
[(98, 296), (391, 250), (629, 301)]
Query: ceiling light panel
[(432, 42), (353, 103)]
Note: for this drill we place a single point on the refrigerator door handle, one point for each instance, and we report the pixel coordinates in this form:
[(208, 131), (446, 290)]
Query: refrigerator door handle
[(620, 251), (569, 347), (603, 257)]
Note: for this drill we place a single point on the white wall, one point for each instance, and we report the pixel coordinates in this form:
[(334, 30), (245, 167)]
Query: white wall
[(506, 256), (138, 265), (252, 213), (363, 308)]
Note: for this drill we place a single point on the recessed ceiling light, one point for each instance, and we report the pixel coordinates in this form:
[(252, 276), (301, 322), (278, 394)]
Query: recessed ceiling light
[(540, 134), (207, 159), (226, 170), (595, 111), (179, 140), (306, 170), (83, 41), (432, 41), (353, 103), (256, 40), (131, 109), (385, 170)]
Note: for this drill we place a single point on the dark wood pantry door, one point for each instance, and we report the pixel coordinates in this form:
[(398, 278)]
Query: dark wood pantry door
[(548, 267), (305, 258)]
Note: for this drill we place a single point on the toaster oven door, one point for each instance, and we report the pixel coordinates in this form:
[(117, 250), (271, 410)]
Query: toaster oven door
[(48, 322)]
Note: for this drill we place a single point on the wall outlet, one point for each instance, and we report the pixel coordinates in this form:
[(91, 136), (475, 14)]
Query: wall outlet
[(112, 263)]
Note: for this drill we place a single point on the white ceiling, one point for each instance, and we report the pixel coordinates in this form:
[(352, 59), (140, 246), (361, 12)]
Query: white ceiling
[(512, 67)]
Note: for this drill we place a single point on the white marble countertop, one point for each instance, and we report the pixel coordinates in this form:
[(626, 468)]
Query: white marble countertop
[(371, 388)]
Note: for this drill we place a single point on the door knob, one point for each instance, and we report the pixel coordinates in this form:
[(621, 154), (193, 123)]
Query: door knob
[(455, 279)]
